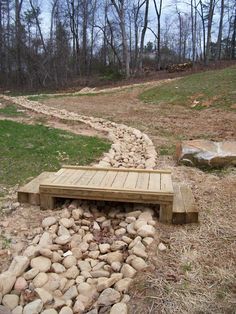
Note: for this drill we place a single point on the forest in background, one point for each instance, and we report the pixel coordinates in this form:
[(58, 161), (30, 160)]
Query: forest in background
[(109, 38)]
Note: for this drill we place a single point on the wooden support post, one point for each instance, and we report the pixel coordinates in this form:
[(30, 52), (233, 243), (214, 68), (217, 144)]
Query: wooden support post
[(165, 215), (47, 201)]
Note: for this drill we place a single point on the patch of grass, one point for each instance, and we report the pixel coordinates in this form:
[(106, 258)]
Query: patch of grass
[(167, 150), (11, 111), (5, 242), (27, 150), (197, 91)]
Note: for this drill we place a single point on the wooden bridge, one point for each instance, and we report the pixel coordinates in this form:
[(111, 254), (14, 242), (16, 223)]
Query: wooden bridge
[(110, 184)]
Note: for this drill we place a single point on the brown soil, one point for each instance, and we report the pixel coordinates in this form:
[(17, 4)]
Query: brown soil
[(197, 272)]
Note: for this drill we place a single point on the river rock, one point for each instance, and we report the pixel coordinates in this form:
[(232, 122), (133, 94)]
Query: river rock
[(4, 310), (49, 311), (10, 301), (40, 280), (119, 308), (138, 263), (146, 231), (41, 263), (108, 297), (104, 248), (19, 265), (7, 281), (44, 295), (69, 261), (17, 310), (30, 274), (20, 284), (114, 257), (34, 307), (48, 221), (66, 310), (128, 271), (123, 285)]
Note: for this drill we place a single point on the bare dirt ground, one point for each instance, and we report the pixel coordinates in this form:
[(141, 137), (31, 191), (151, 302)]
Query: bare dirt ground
[(197, 273)]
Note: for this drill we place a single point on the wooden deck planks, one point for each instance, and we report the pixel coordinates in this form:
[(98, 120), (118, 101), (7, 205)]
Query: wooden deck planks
[(108, 178), (131, 180), (142, 181), (166, 183), (119, 180), (97, 179), (85, 178), (154, 182)]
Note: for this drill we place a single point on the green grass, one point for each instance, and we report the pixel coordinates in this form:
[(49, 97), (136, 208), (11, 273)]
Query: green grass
[(10, 111), (211, 88), (27, 150)]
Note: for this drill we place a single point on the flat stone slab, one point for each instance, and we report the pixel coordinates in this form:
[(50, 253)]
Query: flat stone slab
[(206, 153)]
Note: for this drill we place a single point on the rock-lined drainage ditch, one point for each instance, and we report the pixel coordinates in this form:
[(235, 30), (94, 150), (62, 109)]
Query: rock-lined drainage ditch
[(130, 149), (84, 259)]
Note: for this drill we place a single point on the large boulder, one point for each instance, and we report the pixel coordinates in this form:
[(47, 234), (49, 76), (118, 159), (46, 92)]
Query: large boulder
[(206, 153)]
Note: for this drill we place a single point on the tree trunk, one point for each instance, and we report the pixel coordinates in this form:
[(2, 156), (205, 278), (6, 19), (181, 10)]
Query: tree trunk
[(218, 46), (209, 27), (143, 35)]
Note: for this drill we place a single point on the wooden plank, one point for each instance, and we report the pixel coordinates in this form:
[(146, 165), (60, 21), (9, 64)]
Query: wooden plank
[(118, 169), (47, 201), (33, 185), (74, 177), (142, 182), (179, 213), (165, 215), (131, 180), (154, 182), (120, 179), (97, 178), (61, 192), (184, 208), (62, 177), (108, 179), (166, 183), (86, 177), (30, 192), (189, 204)]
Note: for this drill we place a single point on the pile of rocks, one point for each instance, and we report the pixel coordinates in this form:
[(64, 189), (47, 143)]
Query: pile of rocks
[(131, 148), (83, 261)]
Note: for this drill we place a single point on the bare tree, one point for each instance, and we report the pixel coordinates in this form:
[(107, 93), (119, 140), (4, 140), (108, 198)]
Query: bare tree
[(119, 6)]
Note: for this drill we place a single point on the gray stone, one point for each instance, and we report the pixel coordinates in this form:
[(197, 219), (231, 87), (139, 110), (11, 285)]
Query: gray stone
[(49, 221), (114, 257), (43, 264), (40, 280), (34, 307), (128, 271), (10, 301), (138, 263), (119, 308), (44, 295), (7, 281), (49, 311), (146, 231), (17, 310), (123, 285), (108, 297), (30, 274), (19, 265), (66, 310), (206, 153), (4, 310)]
